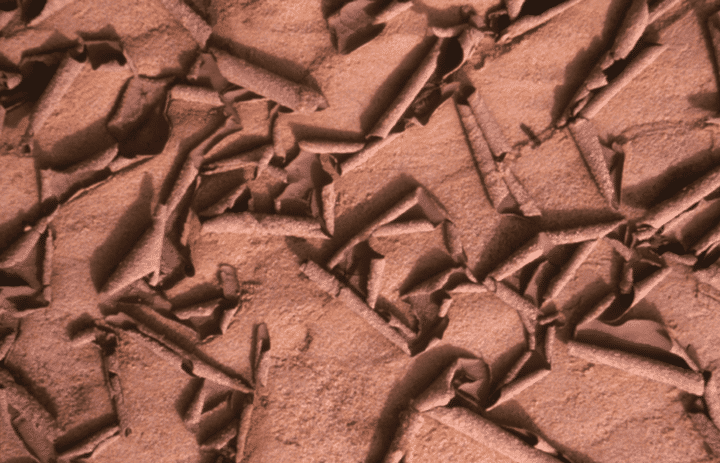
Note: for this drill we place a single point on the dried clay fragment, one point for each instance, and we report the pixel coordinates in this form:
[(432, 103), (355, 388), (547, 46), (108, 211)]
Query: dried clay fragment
[(264, 224), (59, 85), (329, 197), (512, 389), (525, 202), (466, 377), (691, 194), (528, 23), (497, 190), (489, 434), (330, 146), (585, 136), (375, 280), (195, 25), (402, 206), (56, 184), (243, 430), (38, 444), (144, 259), (496, 140), (362, 156), (186, 361), (531, 251), (567, 273), (712, 396), (404, 228), (135, 105), (411, 422), (194, 94), (687, 380), (526, 310), (513, 8), (644, 59), (582, 234), (260, 347), (295, 96), (407, 95), (332, 286), (88, 445)]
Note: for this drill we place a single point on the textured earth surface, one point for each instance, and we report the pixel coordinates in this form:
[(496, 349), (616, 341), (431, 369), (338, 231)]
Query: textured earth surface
[(335, 386)]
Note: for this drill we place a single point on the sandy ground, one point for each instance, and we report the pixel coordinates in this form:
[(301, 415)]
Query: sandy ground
[(335, 386)]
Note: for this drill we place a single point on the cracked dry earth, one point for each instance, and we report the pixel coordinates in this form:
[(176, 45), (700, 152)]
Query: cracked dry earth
[(365, 231)]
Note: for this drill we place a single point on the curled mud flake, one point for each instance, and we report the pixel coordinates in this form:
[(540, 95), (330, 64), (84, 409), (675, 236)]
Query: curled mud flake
[(712, 396), (330, 146), (404, 228), (687, 380), (466, 378), (567, 273), (194, 24), (530, 252), (539, 281), (375, 280), (58, 184), (631, 29), (411, 422), (527, 23), (391, 10), (525, 202), (88, 445), (499, 145), (221, 438), (406, 96), (526, 310), (37, 443), (194, 94), (329, 198), (439, 281), (144, 259), (402, 206), (243, 430), (585, 136), (513, 8), (326, 281), (634, 68), (453, 241), (582, 234), (487, 433), (264, 224), (292, 95), (515, 387), (667, 210), (353, 25), (495, 186), (261, 345), (334, 287), (362, 156), (135, 105), (188, 362), (59, 85)]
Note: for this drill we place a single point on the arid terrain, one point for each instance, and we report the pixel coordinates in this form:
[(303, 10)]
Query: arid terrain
[(359, 231)]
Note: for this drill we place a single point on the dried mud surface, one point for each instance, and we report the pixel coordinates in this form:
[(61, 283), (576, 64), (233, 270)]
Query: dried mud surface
[(224, 237)]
